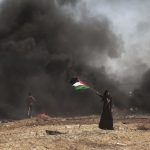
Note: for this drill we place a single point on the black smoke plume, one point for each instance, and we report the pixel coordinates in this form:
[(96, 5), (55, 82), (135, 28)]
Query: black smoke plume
[(41, 47), (141, 95)]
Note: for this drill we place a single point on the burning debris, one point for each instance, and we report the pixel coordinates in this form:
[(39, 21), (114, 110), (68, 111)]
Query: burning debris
[(43, 117)]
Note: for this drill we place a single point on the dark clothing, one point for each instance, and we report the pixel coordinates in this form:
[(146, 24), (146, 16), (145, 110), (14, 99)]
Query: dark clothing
[(106, 121)]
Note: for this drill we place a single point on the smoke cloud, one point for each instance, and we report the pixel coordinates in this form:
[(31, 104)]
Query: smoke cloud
[(43, 45), (140, 96), (132, 66)]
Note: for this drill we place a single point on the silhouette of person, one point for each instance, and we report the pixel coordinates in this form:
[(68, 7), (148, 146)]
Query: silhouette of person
[(30, 101), (106, 119)]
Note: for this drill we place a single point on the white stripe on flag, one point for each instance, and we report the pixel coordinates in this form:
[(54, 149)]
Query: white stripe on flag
[(77, 84)]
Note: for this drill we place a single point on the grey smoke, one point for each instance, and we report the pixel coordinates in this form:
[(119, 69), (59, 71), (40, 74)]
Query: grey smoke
[(141, 94), (42, 46), (130, 21)]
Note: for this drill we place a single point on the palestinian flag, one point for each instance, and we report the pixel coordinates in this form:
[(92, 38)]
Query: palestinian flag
[(79, 85)]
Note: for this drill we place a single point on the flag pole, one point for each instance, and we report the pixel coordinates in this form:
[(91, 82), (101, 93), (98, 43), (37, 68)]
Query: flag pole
[(95, 91)]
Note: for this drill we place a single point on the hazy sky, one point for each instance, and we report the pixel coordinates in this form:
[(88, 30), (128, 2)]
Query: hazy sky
[(130, 21)]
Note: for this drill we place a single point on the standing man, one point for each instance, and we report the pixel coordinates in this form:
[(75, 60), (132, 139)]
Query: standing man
[(30, 101), (106, 121)]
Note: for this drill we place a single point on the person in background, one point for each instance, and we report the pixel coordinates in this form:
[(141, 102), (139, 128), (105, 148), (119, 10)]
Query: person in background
[(30, 101), (106, 119)]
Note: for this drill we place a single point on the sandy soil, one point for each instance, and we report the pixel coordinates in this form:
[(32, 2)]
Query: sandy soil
[(78, 133)]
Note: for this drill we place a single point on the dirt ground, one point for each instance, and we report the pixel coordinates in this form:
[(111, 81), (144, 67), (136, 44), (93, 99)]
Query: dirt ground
[(77, 133)]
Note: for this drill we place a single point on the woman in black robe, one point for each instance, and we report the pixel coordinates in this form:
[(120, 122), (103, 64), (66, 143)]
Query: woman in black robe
[(106, 121)]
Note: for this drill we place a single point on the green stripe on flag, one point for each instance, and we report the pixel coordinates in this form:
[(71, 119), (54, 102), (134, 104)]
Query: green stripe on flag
[(81, 87)]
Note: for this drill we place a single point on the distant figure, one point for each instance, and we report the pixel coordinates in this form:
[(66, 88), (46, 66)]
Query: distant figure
[(106, 121), (30, 101)]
